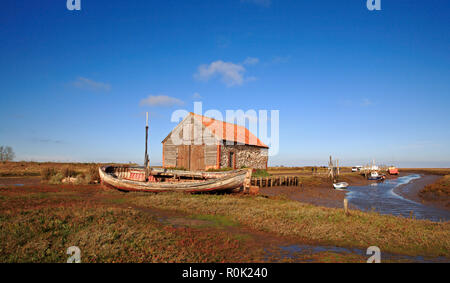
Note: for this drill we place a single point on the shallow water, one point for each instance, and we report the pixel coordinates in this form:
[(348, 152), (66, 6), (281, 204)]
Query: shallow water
[(307, 249), (380, 197)]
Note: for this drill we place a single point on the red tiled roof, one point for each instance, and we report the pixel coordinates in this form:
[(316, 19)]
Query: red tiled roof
[(239, 134)]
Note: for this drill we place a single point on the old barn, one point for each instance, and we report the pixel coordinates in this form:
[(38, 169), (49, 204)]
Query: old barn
[(201, 143)]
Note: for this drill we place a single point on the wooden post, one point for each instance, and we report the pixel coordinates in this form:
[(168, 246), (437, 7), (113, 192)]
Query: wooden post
[(146, 159), (346, 206)]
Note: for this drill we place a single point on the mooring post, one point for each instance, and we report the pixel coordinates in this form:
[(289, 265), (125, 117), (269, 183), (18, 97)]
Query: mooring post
[(346, 206)]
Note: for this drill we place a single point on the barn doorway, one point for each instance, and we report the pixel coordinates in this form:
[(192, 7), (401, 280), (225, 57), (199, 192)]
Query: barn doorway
[(191, 157), (232, 160)]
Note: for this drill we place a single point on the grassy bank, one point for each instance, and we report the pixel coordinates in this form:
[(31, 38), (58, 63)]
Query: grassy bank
[(318, 225), (439, 191), (27, 168), (431, 171), (38, 224)]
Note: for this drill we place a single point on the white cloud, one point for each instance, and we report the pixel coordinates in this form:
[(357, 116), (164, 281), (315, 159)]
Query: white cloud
[(196, 95), (160, 100), (251, 61), (85, 83), (264, 3), (230, 73)]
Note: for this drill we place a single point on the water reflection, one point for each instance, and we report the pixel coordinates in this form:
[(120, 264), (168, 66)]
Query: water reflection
[(380, 197)]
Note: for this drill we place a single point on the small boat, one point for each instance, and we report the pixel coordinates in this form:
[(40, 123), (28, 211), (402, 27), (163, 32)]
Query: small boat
[(393, 170), (340, 185), (374, 176), (162, 180)]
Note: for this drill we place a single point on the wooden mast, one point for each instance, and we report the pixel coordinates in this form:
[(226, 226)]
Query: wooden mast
[(146, 159)]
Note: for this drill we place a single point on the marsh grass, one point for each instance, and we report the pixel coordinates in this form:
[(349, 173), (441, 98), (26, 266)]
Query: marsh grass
[(325, 226), (216, 220), (440, 190), (260, 173), (39, 224), (56, 179), (109, 235)]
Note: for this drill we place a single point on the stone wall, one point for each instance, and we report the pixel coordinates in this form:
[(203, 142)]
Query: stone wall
[(246, 155)]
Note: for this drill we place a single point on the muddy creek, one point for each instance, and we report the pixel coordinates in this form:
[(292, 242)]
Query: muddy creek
[(380, 197)]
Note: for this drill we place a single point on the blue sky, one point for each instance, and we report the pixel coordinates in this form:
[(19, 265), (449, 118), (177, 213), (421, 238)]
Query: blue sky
[(353, 83)]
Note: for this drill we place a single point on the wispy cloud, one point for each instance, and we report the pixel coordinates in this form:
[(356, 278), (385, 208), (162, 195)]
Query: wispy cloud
[(264, 3), (196, 95), (231, 74), (251, 61), (85, 83), (160, 100)]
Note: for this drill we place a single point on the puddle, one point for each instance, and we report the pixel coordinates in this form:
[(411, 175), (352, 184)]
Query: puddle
[(296, 250), (180, 222), (381, 198)]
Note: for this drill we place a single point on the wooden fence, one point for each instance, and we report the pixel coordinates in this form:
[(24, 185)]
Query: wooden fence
[(291, 181)]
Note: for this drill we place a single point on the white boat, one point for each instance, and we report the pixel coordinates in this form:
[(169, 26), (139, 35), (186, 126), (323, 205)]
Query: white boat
[(340, 185), (376, 177)]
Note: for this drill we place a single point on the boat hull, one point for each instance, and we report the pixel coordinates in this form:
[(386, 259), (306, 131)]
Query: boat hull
[(340, 186), (115, 178)]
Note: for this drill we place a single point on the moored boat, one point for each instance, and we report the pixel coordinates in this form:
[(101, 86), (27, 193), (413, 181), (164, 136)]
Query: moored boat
[(340, 185), (163, 180), (393, 170), (374, 176)]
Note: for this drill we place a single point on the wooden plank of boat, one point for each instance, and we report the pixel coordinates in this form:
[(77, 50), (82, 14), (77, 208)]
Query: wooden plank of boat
[(195, 174), (231, 180)]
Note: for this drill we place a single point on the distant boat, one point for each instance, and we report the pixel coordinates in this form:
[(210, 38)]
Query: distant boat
[(163, 180), (356, 168), (374, 176), (340, 185), (393, 170)]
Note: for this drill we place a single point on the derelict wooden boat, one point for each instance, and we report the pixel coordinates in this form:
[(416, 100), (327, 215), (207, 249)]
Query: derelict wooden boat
[(160, 180)]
